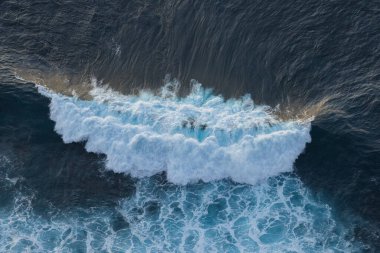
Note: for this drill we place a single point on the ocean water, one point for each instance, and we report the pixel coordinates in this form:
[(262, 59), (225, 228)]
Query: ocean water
[(189, 126), (218, 200), (278, 215)]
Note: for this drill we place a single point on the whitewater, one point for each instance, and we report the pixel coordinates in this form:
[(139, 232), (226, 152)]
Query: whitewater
[(197, 137)]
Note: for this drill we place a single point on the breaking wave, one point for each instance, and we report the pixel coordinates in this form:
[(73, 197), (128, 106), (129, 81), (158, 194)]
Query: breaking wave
[(198, 137)]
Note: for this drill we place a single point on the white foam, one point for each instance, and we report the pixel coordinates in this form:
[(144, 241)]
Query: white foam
[(278, 215), (198, 137)]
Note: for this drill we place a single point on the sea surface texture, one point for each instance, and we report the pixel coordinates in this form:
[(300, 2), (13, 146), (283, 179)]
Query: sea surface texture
[(189, 126)]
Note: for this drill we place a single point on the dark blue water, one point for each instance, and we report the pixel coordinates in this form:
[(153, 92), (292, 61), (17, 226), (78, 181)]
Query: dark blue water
[(187, 170)]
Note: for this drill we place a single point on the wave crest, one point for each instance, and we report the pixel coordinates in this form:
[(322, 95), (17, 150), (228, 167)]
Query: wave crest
[(198, 137)]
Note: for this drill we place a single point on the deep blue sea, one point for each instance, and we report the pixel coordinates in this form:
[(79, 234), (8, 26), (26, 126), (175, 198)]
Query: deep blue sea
[(189, 126)]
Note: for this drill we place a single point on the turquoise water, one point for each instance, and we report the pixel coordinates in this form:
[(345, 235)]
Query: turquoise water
[(277, 215)]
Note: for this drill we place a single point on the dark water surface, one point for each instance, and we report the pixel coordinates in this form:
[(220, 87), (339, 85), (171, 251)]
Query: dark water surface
[(311, 58)]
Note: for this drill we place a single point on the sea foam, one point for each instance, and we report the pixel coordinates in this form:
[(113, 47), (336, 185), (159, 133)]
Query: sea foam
[(198, 137)]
